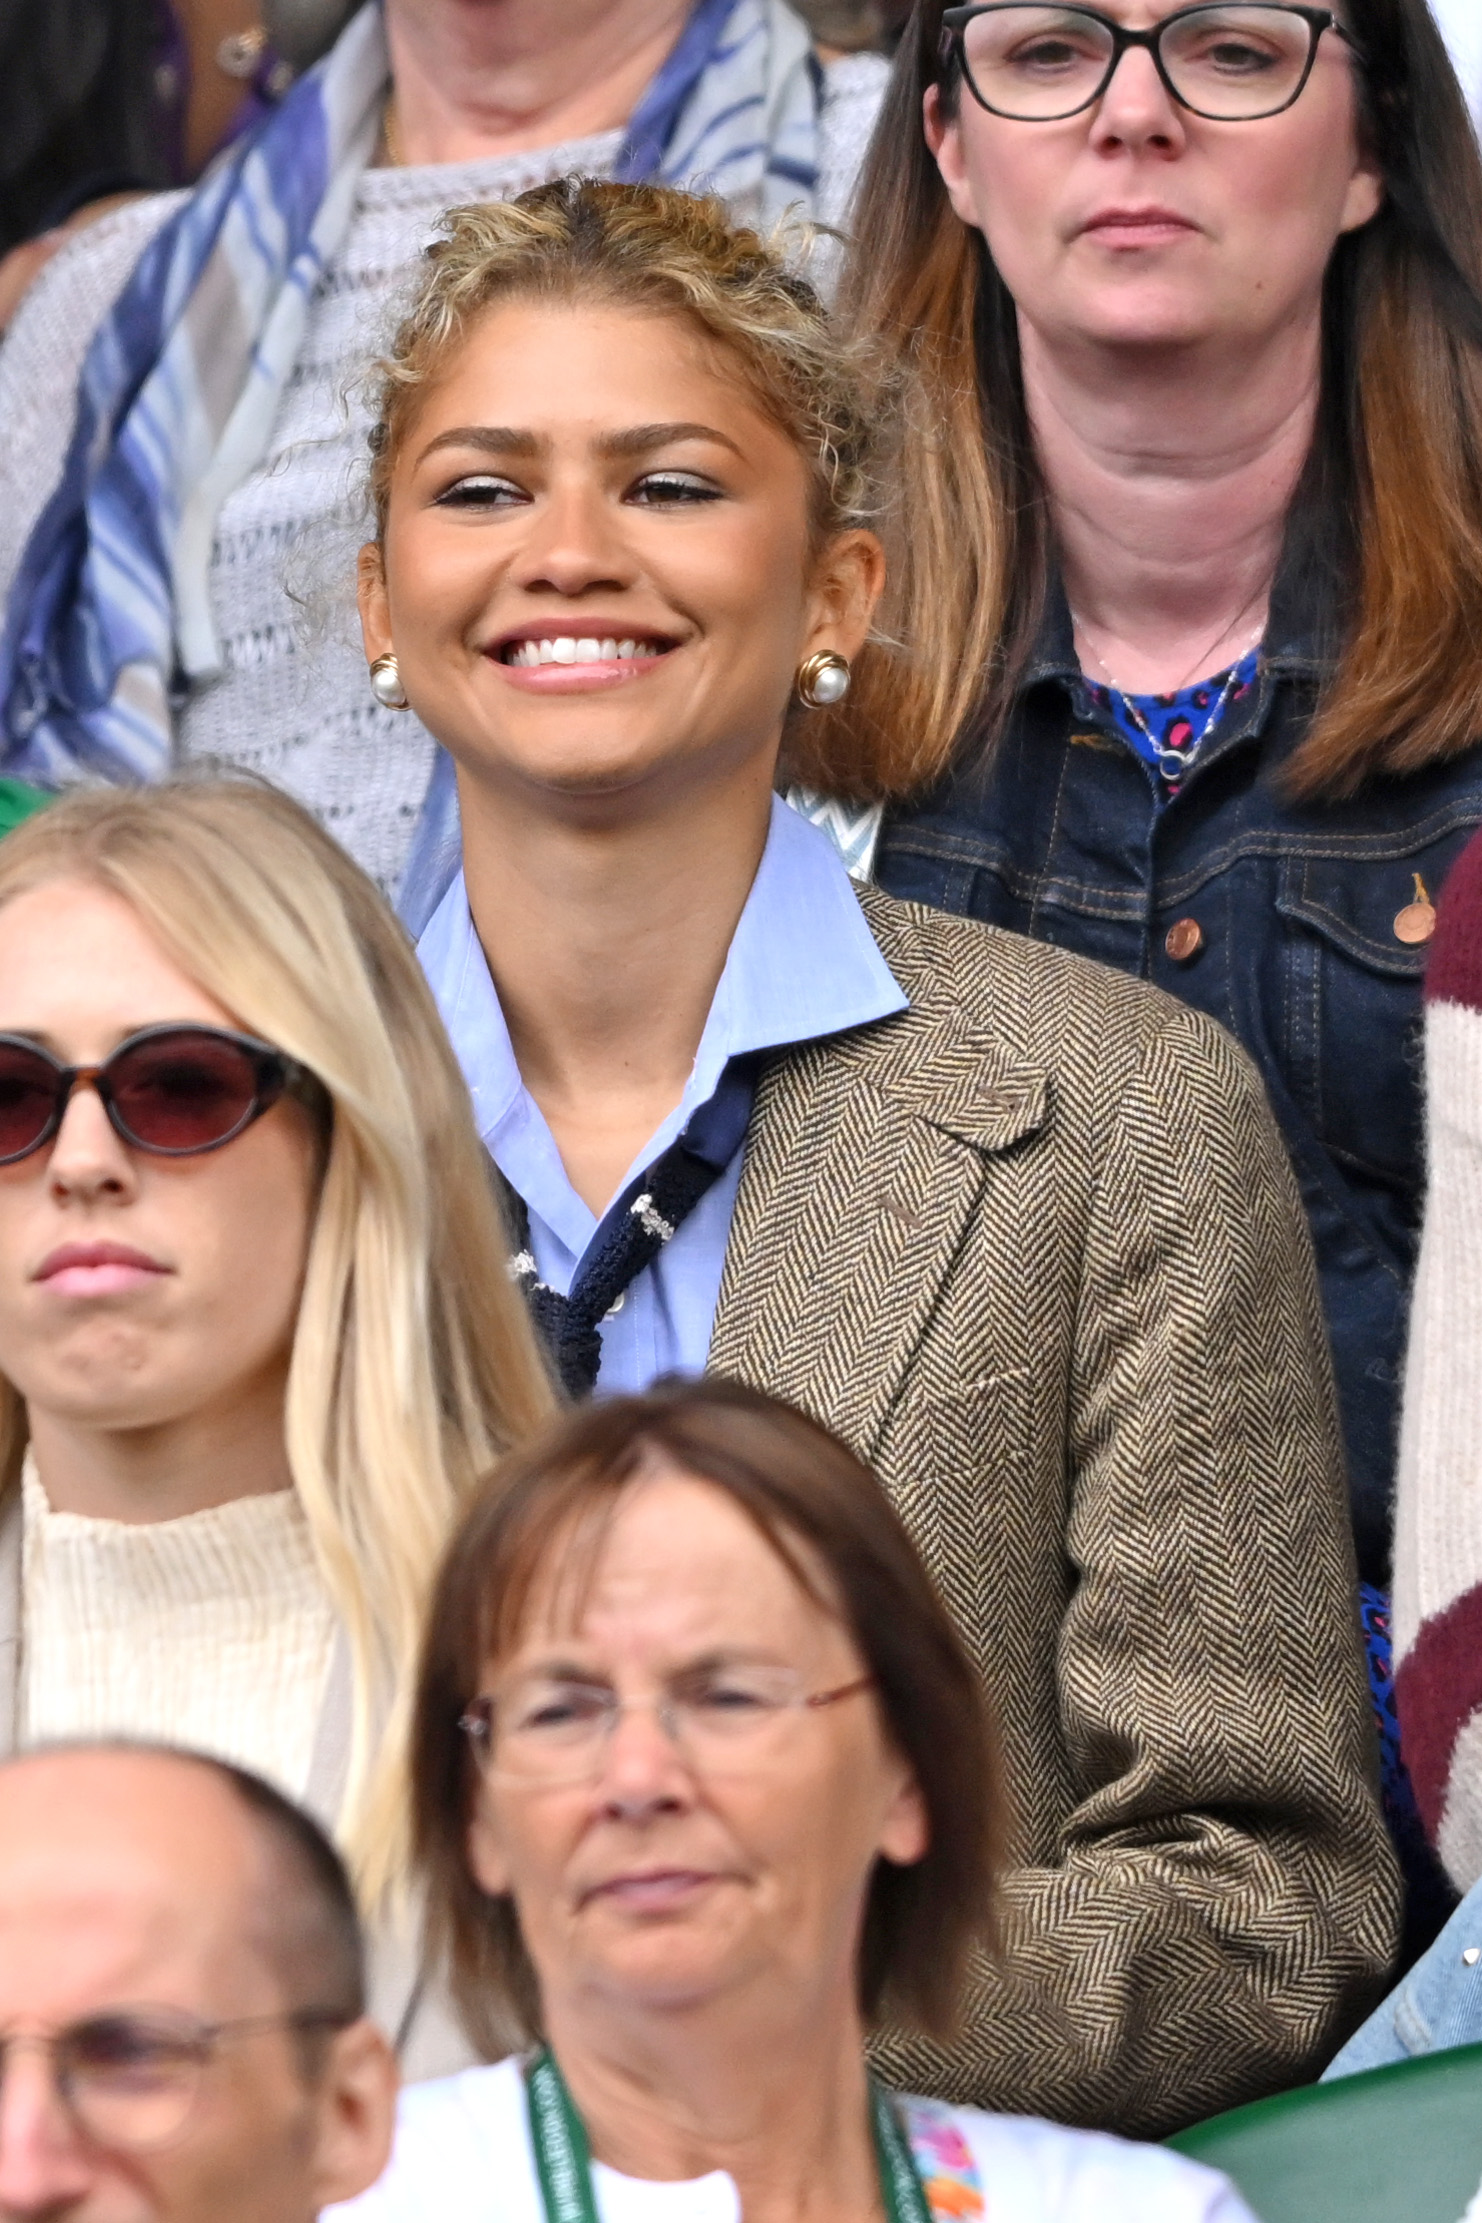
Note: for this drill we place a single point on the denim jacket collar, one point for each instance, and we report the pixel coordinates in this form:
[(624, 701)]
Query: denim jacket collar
[(1291, 651)]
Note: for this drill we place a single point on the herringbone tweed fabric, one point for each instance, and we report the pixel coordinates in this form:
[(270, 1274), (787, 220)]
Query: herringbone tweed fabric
[(1034, 1249)]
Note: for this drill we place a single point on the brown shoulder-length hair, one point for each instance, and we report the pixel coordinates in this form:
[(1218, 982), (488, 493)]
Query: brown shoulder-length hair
[(829, 1520), (1390, 506)]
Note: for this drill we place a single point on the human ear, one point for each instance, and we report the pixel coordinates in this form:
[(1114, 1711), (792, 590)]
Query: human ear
[(375, 605), (944, 137), (1364, 198), (487, 1861), (848, 580), (905, 1834), (356, 2096)]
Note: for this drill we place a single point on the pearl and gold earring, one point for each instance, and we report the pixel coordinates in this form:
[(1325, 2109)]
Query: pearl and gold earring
[(386, 686), (823, 679)]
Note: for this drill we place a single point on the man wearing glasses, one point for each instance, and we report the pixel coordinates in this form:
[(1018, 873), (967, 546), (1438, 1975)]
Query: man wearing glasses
[(183, 2036)]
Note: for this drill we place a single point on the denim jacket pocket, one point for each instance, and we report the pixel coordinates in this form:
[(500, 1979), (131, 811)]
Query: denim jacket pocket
[(1351, 996)]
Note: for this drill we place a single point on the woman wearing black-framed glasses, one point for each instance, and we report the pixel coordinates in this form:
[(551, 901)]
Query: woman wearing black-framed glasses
[(1228, 63), (1195, 686)]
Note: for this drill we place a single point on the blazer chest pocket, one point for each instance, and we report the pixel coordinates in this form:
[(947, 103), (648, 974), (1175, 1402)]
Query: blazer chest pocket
[(1354, 957), (966, 1477)]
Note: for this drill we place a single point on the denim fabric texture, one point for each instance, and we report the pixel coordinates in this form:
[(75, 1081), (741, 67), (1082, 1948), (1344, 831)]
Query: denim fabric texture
[(1060, 832), (1438, 2004)]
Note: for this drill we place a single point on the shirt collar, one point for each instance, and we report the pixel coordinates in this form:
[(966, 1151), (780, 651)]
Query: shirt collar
[(1293, 649), (802, 964)]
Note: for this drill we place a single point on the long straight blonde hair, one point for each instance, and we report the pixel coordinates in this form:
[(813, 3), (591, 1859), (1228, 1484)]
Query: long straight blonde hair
[(413, 1364)]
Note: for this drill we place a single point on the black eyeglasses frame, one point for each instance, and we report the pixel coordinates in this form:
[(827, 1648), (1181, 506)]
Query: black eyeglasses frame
[(275, 1075), (954, 50)]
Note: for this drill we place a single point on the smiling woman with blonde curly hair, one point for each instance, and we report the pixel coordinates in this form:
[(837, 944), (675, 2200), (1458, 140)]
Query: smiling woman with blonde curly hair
[(1019, 1229)]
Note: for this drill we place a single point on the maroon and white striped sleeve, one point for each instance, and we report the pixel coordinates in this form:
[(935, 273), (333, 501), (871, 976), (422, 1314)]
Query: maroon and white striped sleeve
[(1438, 1518)]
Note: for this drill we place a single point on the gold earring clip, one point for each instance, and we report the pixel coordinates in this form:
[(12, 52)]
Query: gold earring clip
[(386, 686), (823, 679)]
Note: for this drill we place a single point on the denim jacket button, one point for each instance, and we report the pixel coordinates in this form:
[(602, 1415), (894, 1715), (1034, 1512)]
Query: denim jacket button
[(1184, 939), (1416, 923)]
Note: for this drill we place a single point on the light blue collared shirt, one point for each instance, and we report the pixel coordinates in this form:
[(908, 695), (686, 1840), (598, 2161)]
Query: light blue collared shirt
[(802, 963)]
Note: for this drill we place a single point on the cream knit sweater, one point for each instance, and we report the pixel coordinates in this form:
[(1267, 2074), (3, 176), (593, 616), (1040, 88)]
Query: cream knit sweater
[(1438, 1515), (213, 1631), (293, 703)]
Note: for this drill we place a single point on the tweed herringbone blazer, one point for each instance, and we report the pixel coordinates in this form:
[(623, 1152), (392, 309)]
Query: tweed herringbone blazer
[(1034, 1249)]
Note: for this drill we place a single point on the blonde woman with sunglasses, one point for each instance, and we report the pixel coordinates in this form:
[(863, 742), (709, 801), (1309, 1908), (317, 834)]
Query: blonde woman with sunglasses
[(256, 1338)]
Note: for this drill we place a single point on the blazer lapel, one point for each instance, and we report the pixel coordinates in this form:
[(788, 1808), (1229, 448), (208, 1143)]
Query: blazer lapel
[(867, 1156)]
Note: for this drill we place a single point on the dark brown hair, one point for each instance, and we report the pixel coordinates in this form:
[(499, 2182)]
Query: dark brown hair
[(818, 1507), (1390, 505)]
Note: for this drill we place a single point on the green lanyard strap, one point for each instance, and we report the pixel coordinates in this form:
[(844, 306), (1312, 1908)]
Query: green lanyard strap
[(562, 2156), (900, 2180), (563, 2159)]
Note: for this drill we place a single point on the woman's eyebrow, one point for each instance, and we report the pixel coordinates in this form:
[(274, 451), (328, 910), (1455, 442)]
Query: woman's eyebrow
[(488, 439), (642, 439), (556, 1667), (510, 440)]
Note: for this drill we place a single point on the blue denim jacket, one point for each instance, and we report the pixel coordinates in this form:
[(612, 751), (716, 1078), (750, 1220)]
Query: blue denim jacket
[(1437, 2005), (1060, 832)]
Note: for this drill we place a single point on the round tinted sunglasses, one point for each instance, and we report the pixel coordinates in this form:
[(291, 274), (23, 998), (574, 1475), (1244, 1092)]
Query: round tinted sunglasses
[(171, 1090)]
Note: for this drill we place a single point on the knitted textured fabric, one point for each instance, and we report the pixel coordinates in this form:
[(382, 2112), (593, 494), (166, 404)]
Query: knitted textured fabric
[(213, 1630), (1438, 1538)]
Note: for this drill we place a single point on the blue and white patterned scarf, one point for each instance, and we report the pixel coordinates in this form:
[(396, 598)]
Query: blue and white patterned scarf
[(110, 624)]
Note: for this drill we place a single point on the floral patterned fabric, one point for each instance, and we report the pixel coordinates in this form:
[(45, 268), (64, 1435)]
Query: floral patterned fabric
[(944, 2161)]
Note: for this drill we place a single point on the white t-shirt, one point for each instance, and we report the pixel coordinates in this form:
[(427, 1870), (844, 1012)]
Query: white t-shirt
[(463, 2155)]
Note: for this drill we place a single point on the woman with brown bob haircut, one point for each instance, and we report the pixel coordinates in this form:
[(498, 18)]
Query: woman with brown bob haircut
[(703, 1786), (1187, 560)]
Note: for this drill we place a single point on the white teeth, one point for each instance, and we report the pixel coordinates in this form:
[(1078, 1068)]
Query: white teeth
[(584, 648)]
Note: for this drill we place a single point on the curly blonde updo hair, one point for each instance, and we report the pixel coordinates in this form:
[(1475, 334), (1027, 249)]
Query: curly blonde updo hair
[(661, 253)]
